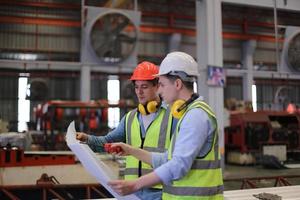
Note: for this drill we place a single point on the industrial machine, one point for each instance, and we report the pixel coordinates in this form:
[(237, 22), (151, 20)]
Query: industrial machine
[(252, 134), (53, 117), (15, 157), (48, 175)]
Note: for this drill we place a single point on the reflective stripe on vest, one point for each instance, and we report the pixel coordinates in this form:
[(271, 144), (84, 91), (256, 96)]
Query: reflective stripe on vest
[(192, 191), (154, 141), (204, 180)]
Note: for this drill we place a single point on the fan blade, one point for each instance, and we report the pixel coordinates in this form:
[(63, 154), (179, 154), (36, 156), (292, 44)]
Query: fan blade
[(110, 39), (120, 26), (125, 38)]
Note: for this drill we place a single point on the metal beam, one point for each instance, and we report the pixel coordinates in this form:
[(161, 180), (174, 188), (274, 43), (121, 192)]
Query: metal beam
[(283, 5), (39, 21), (143, 28), (70, 6), (167, 30), (115, 3), (241, 36)]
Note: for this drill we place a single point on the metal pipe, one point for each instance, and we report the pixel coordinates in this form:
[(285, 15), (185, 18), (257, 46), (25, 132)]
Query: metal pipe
[(276, 34), (135, 5), (9, 194)]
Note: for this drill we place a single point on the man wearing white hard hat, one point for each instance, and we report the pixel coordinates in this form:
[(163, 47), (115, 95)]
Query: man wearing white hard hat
[(191, 167)]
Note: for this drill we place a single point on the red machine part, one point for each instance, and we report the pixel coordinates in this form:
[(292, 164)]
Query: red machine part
[(17, 158), (93, 120), (59, 113)]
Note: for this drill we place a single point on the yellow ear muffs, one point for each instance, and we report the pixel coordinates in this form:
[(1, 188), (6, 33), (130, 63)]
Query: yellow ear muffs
[(142, 109), (176, 112), (151, 107), (179, 106)]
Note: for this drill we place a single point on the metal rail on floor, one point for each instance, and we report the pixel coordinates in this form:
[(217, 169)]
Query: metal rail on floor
[(59, 191), (252, 182)]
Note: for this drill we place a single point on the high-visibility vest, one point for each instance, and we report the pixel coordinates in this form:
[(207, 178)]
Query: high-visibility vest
[(157, 139), (204, 180)]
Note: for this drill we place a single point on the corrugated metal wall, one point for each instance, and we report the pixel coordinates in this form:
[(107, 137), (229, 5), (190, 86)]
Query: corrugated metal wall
[(233, 89), (99, 86), (9, 99), (44, 42)]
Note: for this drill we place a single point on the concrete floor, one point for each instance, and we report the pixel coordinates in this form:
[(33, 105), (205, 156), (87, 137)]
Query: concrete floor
[(239, 172)]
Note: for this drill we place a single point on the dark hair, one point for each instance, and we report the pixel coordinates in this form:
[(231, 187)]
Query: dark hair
[(154, 82), (189, 85)]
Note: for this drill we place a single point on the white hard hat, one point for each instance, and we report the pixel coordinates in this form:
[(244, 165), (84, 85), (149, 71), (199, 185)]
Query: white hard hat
[(178, 62)]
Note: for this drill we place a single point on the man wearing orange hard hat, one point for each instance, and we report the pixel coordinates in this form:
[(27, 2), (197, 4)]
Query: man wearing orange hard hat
[(147, 127)]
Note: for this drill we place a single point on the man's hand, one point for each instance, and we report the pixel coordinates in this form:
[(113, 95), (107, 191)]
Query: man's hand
[(122, 149), (123, 187), (81, 136), (125, 150), (109, 149)]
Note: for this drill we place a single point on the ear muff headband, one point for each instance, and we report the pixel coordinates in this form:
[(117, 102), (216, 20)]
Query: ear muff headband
[(179, 106)]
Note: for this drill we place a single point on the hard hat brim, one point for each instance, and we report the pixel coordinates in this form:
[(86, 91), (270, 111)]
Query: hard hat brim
[(143, 79), (165, 73), (160, 74)]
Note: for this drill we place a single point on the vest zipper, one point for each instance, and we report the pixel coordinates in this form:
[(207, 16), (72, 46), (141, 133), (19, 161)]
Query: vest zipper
[(140, 162)]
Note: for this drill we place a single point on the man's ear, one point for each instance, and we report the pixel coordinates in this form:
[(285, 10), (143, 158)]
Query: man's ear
[(178, 83)]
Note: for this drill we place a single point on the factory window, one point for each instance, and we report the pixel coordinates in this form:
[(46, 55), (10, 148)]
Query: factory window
[(113, 95), (23, 105), (254, 98)]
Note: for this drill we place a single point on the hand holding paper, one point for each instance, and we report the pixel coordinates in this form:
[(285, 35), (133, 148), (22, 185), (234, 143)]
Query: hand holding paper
[(92, 164)]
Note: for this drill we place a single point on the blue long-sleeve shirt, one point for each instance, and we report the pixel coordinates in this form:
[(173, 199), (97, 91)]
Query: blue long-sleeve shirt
[(118, 134), (194, 139)]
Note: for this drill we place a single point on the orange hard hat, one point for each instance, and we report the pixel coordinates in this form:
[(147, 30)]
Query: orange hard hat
[(144, 71)]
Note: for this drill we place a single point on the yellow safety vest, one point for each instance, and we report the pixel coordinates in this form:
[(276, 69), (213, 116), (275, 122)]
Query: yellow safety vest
[(157, 139), (204, 180)]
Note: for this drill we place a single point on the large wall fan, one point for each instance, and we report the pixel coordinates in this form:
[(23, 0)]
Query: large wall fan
[(290, 60), (37, 89), (110, 36)]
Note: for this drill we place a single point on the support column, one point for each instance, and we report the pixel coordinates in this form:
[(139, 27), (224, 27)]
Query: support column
[(174, 42), (210, 52), (247, 60), (85, 83)]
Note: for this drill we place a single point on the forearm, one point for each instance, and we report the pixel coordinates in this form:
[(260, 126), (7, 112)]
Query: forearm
[(96, 143), (147, 180), (141, 155), (124, 187)]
